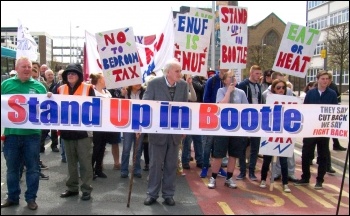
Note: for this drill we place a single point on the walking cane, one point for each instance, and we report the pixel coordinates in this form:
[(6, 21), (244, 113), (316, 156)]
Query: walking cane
[(273, 164), (133, 166)]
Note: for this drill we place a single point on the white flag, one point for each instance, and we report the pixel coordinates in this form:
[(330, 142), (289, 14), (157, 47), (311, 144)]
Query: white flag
[(92, 58), (26, 45)]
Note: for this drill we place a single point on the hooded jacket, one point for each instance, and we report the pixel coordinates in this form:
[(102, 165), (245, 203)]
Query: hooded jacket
[(76, 68)]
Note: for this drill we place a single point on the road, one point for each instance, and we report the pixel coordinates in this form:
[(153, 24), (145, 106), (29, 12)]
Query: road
[(192, 197)]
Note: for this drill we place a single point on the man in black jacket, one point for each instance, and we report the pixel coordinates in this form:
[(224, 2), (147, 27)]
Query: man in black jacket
[(333, 86)]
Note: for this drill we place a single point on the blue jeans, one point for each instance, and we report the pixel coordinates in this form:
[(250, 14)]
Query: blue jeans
[(63, 150), (129, 139), (19, 148), (207, 142), (198, 149)]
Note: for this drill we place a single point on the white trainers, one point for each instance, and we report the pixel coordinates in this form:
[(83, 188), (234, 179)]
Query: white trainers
[(212, 183), (230, 183), (286, 189), (263, 184)]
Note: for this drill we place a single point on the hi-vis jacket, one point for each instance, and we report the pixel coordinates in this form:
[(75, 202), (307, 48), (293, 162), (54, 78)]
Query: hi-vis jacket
[(84, 90)]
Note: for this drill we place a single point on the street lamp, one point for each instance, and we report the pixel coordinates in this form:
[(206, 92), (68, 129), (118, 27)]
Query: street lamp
[(70, 41), (262, 49)]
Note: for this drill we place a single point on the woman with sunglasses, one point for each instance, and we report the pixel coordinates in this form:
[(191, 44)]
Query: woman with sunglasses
[(277, 87)]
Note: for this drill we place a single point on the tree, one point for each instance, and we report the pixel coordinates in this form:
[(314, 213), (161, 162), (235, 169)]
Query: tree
[(262, 55), (337, 41)]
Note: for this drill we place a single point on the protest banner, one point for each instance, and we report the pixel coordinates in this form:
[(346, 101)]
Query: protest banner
[(296, 49), (71, 112), (119, 57), (233, 37), (278, 146), (192, 40)]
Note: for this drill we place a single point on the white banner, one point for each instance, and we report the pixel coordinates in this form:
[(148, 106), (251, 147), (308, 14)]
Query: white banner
[(233, 37), (192, 40), (69, 112), (278, 146), (26, 45), (119, 57), (296, 49)]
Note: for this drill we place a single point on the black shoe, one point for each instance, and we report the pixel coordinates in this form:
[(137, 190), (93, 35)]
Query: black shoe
[(94, 177), (64, 160), (138, 175), (146, 168), (186, 166), (68, 193), (32, 205), (8, 203), (339, 148), (86, 196), (169, 201), (55, 149), (43, 166), (123, 175), (149, 201), (101, 175), (331, 171), (318, 185), (43, 177), (253, 177), (301, 182)]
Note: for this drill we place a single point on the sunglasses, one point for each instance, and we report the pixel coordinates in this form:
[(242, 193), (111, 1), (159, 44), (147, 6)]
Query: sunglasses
[(72, 73), (280, 87)]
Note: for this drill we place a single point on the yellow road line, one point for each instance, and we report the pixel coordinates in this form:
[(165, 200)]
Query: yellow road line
[(315, 196), (291, 197), (225, 208)]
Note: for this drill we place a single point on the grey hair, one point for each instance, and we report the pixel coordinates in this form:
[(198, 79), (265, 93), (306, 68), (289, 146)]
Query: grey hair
[(169, 64), (21, 59)]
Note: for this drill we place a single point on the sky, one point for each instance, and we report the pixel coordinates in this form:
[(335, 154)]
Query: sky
[(146, 18)]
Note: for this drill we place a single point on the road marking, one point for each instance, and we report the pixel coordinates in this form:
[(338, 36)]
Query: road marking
[(291, 197), (225, 208), (317, 198), (333, 197)]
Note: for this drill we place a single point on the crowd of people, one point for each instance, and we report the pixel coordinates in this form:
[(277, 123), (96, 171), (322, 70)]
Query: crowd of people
[(83, 151)]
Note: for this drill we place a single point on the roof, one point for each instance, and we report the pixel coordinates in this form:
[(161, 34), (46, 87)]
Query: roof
[(9, 53), (271, 14)]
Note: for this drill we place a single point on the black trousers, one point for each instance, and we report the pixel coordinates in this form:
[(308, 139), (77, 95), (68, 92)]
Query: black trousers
[(308, 150)]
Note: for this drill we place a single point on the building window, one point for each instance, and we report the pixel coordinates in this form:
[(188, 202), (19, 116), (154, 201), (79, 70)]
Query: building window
[(319, 47), (313, 4), (271, 39), (339, 17)]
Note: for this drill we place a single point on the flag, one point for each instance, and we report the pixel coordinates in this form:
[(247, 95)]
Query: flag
[(91, 57), (26, 45), (154, 56)]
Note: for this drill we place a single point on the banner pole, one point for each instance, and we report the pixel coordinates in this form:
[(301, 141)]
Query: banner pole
[(342, 181)]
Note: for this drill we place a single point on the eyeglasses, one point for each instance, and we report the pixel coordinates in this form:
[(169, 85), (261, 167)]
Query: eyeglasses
[(72, 73), (279, 87)]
